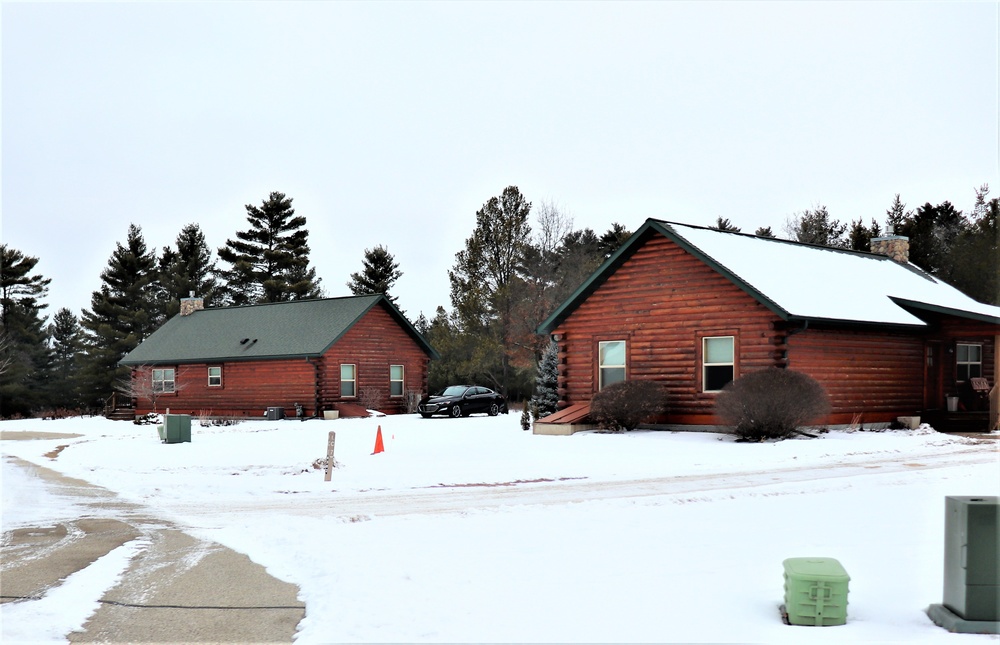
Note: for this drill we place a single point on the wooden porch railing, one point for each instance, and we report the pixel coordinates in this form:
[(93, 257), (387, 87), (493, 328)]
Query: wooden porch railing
[(995, 407), (117, 401)]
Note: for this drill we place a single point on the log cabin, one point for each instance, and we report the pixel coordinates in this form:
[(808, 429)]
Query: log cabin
[(306, 356), (694, 308)]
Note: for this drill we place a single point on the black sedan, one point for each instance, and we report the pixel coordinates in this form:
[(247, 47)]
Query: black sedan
[(463, 400)]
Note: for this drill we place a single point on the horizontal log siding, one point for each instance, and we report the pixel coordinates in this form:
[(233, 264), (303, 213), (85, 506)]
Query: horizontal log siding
[(879, 375), (956, 330), (373, 344), (661, 301), (248, 388)]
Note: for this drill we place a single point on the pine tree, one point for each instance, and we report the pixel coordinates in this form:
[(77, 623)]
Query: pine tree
[(816, 227), (723, 224), (269, 262), (378, 274), (895, 216), (546, 399), (859, 237), (764, 231), (24, 353), (66, 338), (972, 260), (579, 255), (122, 313), (613, 238), (188, 270), (483, 281)]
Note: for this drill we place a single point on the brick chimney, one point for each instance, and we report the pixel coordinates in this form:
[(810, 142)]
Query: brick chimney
[(896, 247), (191, 305)]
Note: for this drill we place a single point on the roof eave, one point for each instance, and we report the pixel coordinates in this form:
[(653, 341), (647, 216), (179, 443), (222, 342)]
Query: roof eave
[(860, 324), (627, 249), (947, 311), (218, 359), (400, 319), (595, 280), (665, 229)]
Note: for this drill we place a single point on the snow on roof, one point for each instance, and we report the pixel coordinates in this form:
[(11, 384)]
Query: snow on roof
[(813, 282)]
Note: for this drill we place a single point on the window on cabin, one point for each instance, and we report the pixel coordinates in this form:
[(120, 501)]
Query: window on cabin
[(215, 377), (611, 362), (717, 362), (163, 380), (969, 361), (395, 380), (348, 380)]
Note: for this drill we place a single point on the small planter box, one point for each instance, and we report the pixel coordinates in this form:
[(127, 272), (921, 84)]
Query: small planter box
[(815, 592)]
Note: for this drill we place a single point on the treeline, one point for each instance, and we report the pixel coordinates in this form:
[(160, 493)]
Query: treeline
[(506, 280), (71, 364), (959, 248), (520, 262)]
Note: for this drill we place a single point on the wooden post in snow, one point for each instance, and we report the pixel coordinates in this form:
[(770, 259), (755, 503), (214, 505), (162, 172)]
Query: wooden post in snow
[(329, 455)]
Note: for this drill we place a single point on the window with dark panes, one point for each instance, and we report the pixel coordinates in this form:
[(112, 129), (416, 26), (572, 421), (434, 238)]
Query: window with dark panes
[(163, 380), (969, 361), (718, 362)]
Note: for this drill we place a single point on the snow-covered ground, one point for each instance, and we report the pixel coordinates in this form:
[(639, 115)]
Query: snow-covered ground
[(473, 530)]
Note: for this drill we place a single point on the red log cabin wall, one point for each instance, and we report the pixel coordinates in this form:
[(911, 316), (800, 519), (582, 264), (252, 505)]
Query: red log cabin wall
[(662, 302), (954, 331), (249, 387), (373, 344), (876, 374)]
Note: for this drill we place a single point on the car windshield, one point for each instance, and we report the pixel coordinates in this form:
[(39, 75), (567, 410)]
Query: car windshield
[(454, 390)]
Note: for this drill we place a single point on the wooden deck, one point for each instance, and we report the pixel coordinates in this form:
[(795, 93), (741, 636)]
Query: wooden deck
[(566, 421), (944, 421)]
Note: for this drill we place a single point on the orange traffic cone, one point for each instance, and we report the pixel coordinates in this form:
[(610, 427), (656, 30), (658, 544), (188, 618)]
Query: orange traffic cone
[(378, 442)]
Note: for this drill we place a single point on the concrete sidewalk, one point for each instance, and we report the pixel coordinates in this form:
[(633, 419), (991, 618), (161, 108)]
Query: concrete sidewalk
[(177, 589)]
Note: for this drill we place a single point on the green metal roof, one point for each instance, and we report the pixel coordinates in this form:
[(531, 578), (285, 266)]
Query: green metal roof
[(300, 328)]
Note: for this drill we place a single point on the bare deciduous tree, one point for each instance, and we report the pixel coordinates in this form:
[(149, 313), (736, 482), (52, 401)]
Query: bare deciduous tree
[(139, 385)]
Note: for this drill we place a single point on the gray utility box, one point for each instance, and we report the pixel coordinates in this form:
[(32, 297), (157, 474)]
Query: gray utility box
[(275, 413), (176, 428), (972, 557)]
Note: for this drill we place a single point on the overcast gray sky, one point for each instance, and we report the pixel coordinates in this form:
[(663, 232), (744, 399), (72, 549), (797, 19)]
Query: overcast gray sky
[(392, 123)]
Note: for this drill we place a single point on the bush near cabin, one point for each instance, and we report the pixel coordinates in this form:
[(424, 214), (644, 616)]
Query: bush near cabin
[(771, 404), (623, 406)]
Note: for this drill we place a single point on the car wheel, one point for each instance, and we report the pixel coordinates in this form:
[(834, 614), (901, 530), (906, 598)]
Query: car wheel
[(425, 415), (456, 411), (494, 409)]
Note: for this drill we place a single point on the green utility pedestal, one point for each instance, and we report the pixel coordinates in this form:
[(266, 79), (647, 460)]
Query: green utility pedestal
[(815, 592), (176, 428)]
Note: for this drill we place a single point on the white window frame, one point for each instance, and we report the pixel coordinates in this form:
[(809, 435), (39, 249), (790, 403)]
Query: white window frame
[(162, 384), (353, 380), (400, 381), (601, 366), (705, 364), (216, 377), (968, 362)]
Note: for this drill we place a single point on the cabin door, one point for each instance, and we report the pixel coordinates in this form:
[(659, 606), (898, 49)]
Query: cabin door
[(933, 395)]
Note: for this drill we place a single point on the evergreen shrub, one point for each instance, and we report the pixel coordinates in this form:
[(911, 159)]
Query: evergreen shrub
[(546, 398), (771, 404)]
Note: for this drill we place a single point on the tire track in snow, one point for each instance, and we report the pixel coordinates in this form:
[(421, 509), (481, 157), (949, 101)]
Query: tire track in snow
[(354, 506)]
